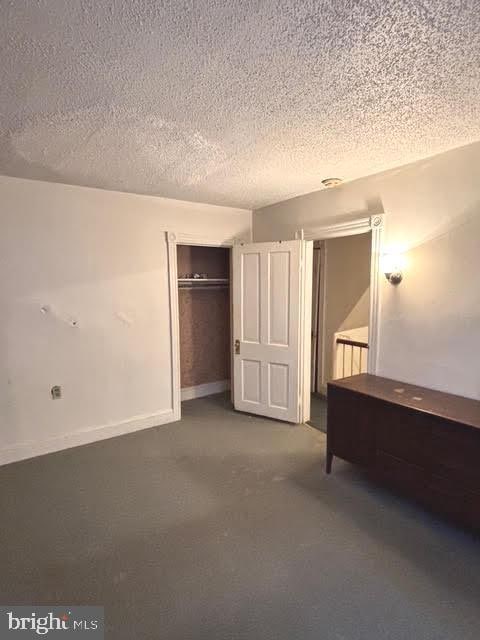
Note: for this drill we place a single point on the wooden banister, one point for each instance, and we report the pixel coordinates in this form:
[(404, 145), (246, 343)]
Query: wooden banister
[(353, 343)]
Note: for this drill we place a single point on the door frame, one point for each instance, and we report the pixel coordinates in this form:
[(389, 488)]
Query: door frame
[(174, 238), (376, 225), (317, 381)]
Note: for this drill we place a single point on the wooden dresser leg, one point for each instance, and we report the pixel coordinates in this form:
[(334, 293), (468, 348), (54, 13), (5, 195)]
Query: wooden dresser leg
[(329, 462)]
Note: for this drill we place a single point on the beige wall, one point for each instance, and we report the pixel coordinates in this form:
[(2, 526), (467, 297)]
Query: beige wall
[(96, 263), (430, 323), (347, 285)]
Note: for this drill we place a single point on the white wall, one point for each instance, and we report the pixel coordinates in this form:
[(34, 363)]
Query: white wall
[(97, 258), (430, 323)]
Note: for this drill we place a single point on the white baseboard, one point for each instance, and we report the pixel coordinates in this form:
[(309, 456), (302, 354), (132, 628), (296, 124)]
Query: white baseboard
[(32, 449), (189, 393)]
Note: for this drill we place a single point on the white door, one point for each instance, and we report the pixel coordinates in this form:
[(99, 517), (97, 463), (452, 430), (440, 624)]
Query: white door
[(272, 291)]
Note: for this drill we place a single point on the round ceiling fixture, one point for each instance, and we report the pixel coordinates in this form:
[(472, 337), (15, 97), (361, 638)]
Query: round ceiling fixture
[(332, 182)]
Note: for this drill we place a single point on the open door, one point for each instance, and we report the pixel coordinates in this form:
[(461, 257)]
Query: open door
[(272, 298)]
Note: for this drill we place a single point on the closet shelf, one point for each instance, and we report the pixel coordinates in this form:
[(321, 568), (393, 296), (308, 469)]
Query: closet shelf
[(213, 280), (202, 283)]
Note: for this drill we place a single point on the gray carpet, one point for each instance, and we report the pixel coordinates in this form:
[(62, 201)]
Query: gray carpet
[(224, 526), (318, 412)]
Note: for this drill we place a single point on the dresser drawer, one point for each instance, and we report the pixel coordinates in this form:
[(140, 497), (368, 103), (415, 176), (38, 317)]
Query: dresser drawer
[(401, 475), (404, 433), (455, 453), (443, 448), (436, 493), (351, 426)]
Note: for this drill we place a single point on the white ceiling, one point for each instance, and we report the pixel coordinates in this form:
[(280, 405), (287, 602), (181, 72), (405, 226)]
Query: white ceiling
[(238, 102)]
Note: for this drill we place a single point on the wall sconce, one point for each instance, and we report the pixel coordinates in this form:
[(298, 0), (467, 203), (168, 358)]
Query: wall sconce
[(392, 265)]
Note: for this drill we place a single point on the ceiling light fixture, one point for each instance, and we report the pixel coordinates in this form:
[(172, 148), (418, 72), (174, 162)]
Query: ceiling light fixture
[(331, 182)]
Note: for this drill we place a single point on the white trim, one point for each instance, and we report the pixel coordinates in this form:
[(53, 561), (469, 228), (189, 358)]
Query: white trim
[(174, 323), (230, 273), (341, 229), (320, 381), (31, 449), (207, 389), (305, 364), (208, 240), (375, 224)]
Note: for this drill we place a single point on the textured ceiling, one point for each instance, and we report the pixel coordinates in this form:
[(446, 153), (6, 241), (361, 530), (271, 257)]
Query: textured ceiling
[(235, 102)]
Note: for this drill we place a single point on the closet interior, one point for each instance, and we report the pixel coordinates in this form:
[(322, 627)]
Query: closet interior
[(204, 315)]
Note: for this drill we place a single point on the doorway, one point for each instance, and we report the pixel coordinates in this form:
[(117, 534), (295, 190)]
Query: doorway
[(340, 315), (297, 296), (204, 320)]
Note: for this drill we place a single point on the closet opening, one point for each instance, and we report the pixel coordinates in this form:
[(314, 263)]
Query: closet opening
[(204, 306)]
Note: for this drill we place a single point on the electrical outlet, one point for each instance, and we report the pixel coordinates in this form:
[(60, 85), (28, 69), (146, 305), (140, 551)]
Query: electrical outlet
[(56, 392)]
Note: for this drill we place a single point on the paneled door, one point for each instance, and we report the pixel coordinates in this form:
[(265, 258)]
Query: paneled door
[(272, 298)]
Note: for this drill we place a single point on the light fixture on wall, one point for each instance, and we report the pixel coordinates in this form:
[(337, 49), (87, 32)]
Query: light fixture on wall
[(392, 265)]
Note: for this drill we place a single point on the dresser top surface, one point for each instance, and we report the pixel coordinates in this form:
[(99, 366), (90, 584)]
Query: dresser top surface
[(445, 405)]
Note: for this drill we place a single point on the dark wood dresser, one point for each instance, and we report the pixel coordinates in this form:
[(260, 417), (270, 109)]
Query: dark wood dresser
[(422, 442)]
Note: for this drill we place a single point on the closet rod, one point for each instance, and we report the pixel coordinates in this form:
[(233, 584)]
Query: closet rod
[(209, 288)]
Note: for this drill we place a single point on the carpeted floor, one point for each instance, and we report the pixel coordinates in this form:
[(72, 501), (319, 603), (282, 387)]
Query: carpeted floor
[(318, 412), (224, 526)]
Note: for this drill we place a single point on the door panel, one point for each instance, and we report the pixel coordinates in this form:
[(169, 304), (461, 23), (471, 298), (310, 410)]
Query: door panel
[(278, 298), (268, 320), (278, 385), (251, 381), (250, 284)]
